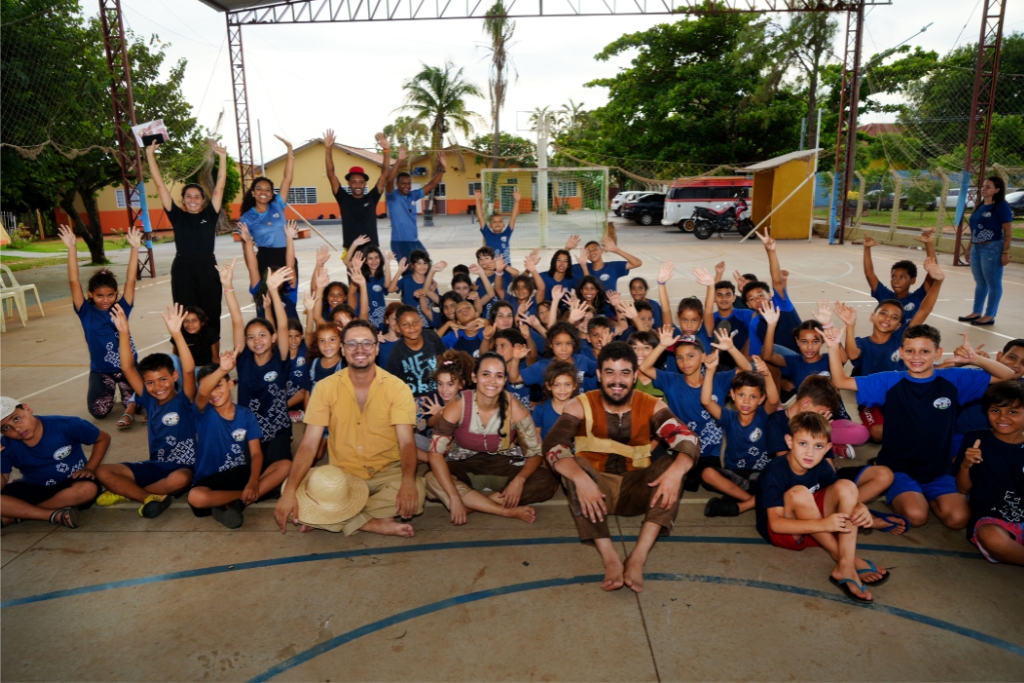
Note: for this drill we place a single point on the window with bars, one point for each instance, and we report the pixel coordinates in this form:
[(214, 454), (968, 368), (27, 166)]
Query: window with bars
[(301, 195), (136, 202), (474, 188), (439, 192), (568, 189)]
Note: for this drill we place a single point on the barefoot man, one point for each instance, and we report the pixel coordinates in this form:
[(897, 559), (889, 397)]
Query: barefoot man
[(612, 472), (371, 415)]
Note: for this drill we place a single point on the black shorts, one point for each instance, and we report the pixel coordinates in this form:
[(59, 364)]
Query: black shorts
[(34, 494), (745, 479), (278, 448), (149, 472), (692, 481), (235, 479)]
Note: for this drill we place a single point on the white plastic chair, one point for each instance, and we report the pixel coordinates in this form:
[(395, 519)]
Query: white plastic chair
[(6, 296), (15, 293)]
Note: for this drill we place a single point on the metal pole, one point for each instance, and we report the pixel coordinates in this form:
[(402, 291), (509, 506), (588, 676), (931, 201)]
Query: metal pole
[(542, 181), (259, 133), (803, 132), (814, 182), (241, 97)]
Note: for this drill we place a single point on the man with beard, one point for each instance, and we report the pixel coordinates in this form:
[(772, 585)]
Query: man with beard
[(612, 472), (371, 478), (358, 207)]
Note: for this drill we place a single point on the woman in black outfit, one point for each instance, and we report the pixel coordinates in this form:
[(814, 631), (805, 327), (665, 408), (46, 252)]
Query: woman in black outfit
[(194, 277)]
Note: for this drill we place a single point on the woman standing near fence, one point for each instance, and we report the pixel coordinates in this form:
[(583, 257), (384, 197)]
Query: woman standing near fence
[(194, 277), (989, 250)]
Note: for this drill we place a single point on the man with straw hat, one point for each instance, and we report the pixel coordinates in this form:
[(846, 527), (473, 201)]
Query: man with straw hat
[(371, 477)]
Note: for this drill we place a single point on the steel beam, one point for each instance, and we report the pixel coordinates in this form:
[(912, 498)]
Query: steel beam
[(846, 134), (983, 100), (241, 95), (115, 44)]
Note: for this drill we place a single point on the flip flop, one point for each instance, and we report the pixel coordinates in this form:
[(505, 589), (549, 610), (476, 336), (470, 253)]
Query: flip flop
[(131, 421), (872, 569), (844, 585), (888, 517)]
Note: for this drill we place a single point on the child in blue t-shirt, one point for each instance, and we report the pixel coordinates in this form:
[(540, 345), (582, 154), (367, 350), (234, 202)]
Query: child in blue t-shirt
[(920, 406), (560, 386), (100, 334), (230, 471), (607, 273), (324, 360), (262, 357), (496, 234), (295, 386), (372, 271), (991, 470), (172, 429), (902, 277), (56, 480), (417, 281), (756, 398), (563, 343), (802, 503)]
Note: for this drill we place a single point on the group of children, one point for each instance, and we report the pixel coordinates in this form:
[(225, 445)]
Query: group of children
[(740, 368)]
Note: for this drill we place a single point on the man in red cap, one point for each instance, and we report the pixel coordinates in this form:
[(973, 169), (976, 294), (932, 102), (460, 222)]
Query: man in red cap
[(358, 207)]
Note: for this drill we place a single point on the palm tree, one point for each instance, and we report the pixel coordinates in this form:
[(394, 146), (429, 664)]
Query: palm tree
[(553, 118), (573, 115), (499, 29)]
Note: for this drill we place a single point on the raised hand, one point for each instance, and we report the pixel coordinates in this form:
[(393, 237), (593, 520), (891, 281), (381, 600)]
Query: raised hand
[(614, 298), (309, 302), (582, 256), (382, 141), (927, 236), (402, 265), (389, 256), (173, 318), (767, 240), (723, 339), (557, 292), (276, 278), (134, 237), (667, 336), (227, 361), (869, 242), (356, 277), (572, 242), (219, 150), (770, 313), (439, 266), (759, 365), (329, 138), (286, 143), (227, 273), (834, 337), (322, 255), (321, 281), (243, 232), (119, 319), (524, 308), (475, 269), (608, 244), (577, 311), (358, 260), (740, 280), (291, 229), (478, 195), (965, 353), (703, 277), (358, 242), (520, 351), (403, 153), (932, 267), (67, 236), (499, 263), (823, 314), (846, 313), (665, 271), (719, 270), (516, 196), (711, 360), (628, 308), (431, 406), (972, 456)]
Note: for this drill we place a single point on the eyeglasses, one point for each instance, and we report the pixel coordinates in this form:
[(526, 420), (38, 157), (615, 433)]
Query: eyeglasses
[(364, 344)]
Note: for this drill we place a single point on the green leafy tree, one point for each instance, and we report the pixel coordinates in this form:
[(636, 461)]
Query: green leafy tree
[(499, 28), (524, 151), (414, 135)]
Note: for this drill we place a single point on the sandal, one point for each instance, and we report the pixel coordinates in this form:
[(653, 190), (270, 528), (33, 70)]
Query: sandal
[(122, 425), (844, 585), (888, 517), (65, 517), (872, 569)]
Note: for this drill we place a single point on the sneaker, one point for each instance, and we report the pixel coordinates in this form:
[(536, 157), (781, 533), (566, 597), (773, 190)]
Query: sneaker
[(296, 415), (229, 515), (154, 506), (108, 498), (722, 507), (844, 451)]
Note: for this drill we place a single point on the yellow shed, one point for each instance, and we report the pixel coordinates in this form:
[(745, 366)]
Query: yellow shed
[(785, 184)]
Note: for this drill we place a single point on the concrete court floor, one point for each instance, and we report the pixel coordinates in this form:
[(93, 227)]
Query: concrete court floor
[(180, 598)]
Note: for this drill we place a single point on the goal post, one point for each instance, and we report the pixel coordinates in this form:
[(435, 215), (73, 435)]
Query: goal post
[(576, 202)]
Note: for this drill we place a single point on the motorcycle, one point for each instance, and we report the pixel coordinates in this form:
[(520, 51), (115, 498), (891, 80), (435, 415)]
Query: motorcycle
[(707, 222)]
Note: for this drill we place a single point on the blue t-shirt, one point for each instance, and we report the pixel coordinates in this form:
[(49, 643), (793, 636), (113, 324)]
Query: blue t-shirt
[(797, 369), (376, 293), (997, 482), (102, 338), (875, 358), (402, 211), (482, 292), (919, 416), (608, 276), (223, 444), (297, 371), (545, 417), (778, 477), (384, 352), (500, 242), (407, 287), (534, 374), (57, 455), (739, 321), (702, 334), (171, 427), (267, 229), (460, 341), (289, 300), (745, 447), (520, 392), (550, 282), (317, 372), (263, 390), (789, 320), (911, 302), (684, 402), (987, 222), (775, 435)]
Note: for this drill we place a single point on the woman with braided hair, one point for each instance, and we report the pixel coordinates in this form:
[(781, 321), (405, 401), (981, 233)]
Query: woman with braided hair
[(485, 441)]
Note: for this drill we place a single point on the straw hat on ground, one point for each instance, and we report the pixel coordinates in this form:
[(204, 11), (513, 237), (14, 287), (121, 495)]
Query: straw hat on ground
[(330, 496)]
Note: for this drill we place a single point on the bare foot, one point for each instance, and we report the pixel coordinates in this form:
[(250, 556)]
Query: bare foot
[(634, 575), (305, 528), (523, 512), (612, 575), (388, 527)]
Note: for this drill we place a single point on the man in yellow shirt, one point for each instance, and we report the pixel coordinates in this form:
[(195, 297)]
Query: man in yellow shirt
[(372, 416)]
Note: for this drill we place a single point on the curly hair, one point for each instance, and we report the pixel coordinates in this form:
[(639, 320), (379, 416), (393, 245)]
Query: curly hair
[(458, 364)]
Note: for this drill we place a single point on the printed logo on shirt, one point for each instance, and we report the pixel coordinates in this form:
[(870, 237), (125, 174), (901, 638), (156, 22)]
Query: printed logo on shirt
[(825, 373), (276, 215), (62, 453), (895, 356), (377, 288), (942, 403), (987, 214), (815, 488), (605, 277), (202, 221), (170, 419), (756, 434), (270, 376), (300, 361), (238, 435), (909, 307)]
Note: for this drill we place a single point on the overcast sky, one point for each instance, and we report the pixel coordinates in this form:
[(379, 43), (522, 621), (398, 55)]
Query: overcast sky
[(305, 78)]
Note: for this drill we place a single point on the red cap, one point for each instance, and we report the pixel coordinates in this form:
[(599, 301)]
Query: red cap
[(357, 170)]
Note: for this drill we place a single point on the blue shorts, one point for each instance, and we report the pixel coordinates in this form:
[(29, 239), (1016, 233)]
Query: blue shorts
[(402, 249), (149, 472), (903, 483)]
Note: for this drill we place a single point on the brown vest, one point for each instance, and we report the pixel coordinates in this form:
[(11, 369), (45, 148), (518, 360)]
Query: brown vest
[(592, 440)]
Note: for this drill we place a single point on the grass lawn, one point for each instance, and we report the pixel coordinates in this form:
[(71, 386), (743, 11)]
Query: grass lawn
[(55, 246), (915, 219), (16, 264)]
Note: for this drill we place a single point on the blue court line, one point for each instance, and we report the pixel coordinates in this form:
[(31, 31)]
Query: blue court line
[(477, 596), (458, 545)]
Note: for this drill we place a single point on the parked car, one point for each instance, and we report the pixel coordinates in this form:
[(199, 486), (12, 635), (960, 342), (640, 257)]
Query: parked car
[(714, 192), (623, 197), (871, 200), (1016, 202), (646, 210), (952, 198)]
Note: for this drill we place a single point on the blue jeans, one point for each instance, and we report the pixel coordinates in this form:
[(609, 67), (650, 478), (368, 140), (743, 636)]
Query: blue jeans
[(987, 268), (404, 249)]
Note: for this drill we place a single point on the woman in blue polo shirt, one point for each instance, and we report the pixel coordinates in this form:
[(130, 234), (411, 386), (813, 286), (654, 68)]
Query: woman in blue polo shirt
[(263, 212), (989, 250)]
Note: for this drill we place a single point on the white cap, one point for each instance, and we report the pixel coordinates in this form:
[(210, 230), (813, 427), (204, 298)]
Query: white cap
[(7, 406)]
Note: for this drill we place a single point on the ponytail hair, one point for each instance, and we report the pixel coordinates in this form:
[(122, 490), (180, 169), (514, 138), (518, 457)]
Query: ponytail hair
[(102, 278)]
